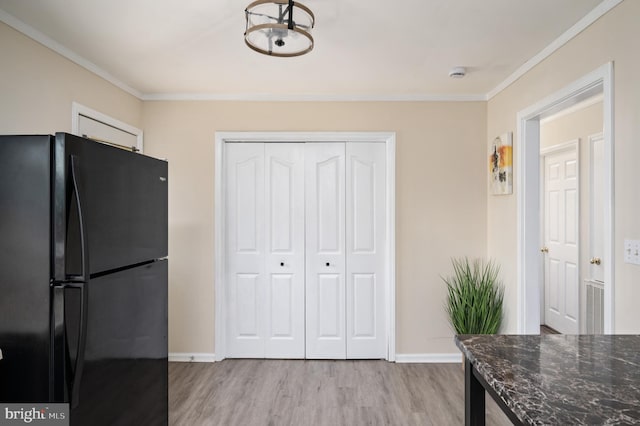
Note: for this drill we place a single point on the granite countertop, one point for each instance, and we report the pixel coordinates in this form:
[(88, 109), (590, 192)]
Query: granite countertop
[(561, 379)]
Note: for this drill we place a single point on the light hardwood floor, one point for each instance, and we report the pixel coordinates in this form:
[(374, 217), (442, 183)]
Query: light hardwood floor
[(289, 392)]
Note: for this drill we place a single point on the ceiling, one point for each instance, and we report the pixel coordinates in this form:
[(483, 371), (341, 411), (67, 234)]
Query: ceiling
[(364, 49)]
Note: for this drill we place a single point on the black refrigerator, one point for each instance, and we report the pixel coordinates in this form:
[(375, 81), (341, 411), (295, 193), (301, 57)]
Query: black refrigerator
[(83, 279)]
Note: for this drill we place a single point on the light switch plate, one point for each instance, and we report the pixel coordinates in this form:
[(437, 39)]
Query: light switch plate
[(632, 251)]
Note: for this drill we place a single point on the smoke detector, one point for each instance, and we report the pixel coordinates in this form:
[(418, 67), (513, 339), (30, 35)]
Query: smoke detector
[(457, 72)]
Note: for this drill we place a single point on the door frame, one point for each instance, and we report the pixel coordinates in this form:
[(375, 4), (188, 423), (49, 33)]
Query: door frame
[(221, 138), (78, 110), (591, 139), (572, 145), (528, 196)]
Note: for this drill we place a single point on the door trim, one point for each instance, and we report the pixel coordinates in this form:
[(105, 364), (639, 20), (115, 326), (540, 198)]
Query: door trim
[(528, 196), (221, 138), (78, 110), (596, 137), (573, 144)]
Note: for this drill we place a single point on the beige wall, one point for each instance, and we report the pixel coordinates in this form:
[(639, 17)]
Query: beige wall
[(612, 38), (37, 87), (580, 125), (440, 212), (443, 209)]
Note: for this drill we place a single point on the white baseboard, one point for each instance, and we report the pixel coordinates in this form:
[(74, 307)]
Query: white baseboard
[(430, 358), (442, 358), (193, 357)]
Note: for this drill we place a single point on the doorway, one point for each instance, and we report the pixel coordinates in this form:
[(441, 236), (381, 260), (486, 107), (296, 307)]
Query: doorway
[(223, 235), (530, 270), (571, 147)]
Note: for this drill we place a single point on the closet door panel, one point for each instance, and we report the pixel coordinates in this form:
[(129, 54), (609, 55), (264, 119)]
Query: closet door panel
[(284, 214), (365, 250), (325, 255), (245, 260)]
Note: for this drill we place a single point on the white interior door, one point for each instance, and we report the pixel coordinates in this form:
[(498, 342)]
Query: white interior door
[(325, 250), (561, 231), (265, 250), (284, 166), (245, 260), (596, 207), (365, 250)]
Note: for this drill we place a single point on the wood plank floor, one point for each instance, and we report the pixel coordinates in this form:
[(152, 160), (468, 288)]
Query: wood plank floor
[(289, 392)]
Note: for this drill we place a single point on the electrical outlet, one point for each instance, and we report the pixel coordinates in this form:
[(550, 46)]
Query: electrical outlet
[(632, 252)]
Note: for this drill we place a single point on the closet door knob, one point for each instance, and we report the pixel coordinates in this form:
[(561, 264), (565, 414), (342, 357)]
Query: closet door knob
[(328, 264), (281, 263)]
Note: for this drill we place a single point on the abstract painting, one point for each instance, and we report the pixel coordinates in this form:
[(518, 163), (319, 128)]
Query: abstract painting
[(501, 165)]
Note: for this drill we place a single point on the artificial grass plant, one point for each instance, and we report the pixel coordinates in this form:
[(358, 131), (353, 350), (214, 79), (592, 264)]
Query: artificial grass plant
[(475, 296)]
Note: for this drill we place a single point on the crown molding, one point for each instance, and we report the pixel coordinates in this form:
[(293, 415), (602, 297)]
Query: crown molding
[(46, 41), (313, 97), (576, 29), (572, 32)]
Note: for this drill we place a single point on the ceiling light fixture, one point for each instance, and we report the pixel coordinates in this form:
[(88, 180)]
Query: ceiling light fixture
[(279, 28)]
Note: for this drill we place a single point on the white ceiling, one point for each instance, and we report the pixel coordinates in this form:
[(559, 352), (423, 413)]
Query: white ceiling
[(365, 49)]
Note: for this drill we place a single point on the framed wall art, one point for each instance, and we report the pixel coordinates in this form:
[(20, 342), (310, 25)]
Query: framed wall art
[(501, 165)]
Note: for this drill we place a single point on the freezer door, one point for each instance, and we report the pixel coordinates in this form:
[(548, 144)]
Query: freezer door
[(24, 268), (123, 201), (124, 377)]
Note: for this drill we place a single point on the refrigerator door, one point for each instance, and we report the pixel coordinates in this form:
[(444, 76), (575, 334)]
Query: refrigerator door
[(24, 268), (125, 213), (124, 379)]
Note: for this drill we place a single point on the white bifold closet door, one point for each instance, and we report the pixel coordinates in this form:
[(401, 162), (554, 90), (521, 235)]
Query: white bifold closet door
[(305, 250), (345, 250), (265, 250)]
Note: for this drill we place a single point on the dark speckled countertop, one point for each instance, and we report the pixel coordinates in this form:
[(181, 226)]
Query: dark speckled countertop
[(561, 379)]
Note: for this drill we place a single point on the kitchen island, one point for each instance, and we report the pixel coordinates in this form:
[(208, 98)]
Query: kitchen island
[(553, 379)]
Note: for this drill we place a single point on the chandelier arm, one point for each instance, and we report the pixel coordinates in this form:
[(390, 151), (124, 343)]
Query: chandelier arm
[(282, 13), (291, 23)]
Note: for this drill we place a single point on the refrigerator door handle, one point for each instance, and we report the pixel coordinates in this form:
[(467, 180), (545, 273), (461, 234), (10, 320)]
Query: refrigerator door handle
[(84, 242), (82, 341), (82, 283)]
